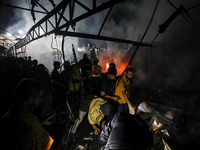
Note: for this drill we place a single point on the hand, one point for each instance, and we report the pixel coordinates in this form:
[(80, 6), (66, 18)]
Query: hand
[(131, 110), (116, 98), (96, 131)]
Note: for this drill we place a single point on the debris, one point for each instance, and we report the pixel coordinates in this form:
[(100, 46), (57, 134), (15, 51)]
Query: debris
[(88, 138), (80, 147)]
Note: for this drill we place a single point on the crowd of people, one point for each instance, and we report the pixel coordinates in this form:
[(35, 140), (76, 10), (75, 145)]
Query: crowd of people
[(30, 93)]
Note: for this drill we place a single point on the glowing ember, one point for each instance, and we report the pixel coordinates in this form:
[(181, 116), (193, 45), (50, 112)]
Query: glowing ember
[(159, 90)]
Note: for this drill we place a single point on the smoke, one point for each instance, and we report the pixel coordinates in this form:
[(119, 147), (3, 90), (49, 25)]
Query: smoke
[(171, 63), (8, 15)]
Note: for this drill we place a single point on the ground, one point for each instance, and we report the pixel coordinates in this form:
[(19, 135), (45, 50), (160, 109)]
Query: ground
[(84, 136)]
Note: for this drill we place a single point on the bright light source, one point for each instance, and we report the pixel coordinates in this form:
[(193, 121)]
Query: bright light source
[(20, 32), (8, 34)]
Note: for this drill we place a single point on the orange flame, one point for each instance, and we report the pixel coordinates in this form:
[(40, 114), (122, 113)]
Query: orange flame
[(107, 66)]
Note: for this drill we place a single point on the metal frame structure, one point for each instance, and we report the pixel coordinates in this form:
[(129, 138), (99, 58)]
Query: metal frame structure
[(56, 22)]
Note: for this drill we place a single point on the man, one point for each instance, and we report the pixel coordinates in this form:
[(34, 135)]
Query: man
[(129, 131), (97, 109), (59, 87), (19, 128), (108, 89), (65, 74), (75, 87), (95, 77), (85, 65), (123, 84)]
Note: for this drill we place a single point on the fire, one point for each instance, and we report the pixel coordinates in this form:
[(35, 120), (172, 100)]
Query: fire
[(119, 66), (107, 66), (114, 59)]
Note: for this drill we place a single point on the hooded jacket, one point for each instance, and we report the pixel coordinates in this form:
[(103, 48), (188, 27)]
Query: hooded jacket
[(126, 132)]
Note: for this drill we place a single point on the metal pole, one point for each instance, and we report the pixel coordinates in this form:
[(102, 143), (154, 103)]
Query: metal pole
[(63, 42)]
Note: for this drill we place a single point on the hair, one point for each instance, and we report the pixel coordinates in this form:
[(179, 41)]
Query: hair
[(129, 69), (112, 65), (26, 88), (56, 63), (112, 71), (106, 108)]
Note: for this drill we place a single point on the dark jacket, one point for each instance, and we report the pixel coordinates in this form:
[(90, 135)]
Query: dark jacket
[(126, 132)]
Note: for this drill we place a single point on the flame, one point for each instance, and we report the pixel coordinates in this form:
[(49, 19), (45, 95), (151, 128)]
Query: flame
[(107, 66)]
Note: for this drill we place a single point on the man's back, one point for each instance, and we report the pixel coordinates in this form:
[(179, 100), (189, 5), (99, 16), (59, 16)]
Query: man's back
[(129, 132)]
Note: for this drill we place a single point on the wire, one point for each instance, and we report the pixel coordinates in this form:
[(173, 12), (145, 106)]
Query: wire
[(140, 40), (144, 33), (56, 48)]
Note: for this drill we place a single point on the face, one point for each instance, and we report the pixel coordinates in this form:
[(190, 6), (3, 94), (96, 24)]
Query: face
[(111, 76), (33, 103), (129, 75)]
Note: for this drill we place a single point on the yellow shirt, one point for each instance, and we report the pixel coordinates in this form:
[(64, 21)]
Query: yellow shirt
[(122, 84), (95, 115)]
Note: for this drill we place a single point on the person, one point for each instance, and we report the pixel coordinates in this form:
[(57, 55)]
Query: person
[(75, 85), (59, 87), (83, 109), (96, 69), (97, 109), (43, 77), (128, 131), (94, 85), (108, 89), (65, 74), (111, 65), (19, 128), (85, 65), (123, 83)]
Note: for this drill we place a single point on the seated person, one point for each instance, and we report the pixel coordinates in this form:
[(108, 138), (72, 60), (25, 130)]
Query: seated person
[(128, 131), (19, 128)]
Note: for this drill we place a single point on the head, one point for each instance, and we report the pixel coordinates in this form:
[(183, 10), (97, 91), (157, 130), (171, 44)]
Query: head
[(29, 57), (56, 64), (95, 61), (66, 64), (35, 62), (146, 111), (129, 73), (85, 56), (28, 95), (106, 108), (112, 65), (41, 68), (112, 73)]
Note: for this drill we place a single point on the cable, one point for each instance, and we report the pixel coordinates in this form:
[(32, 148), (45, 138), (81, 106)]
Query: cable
[(140, 40), (56, 48), (144, 33)]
